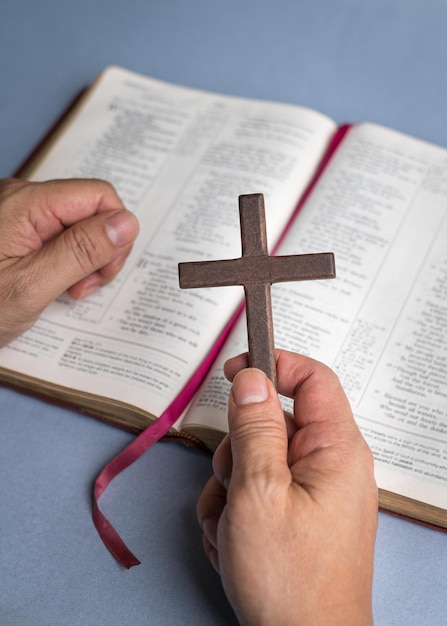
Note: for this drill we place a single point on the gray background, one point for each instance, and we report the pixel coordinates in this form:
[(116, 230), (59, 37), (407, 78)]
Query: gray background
[(381, 61)]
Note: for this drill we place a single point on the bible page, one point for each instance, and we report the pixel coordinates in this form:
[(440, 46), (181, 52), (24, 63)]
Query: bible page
[(179, 159)]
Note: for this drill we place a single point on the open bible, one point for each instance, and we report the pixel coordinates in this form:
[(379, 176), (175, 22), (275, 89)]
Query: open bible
[(179, 158)]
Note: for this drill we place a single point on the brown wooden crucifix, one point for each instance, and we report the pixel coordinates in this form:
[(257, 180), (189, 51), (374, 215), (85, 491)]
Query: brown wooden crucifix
[(256, 271)]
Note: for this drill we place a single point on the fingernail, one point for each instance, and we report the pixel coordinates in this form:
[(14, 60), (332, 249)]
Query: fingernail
[(250, 386), (120, 228)]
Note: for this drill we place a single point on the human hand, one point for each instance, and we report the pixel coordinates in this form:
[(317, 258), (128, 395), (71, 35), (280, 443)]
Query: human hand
[(289, 518), (57, 236)]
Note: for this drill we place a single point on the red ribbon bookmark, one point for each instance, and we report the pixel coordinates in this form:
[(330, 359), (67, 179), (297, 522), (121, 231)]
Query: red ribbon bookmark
[(139, 446), (126, 457)]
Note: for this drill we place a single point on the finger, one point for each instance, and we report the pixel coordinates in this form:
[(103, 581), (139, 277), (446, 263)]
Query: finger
[(209, 510), (76, 253), (293, 369), (315, 388), (319, 398), (322, 414), (235, 365), (223, 459), (33, 213), (211, 553), (210, 505), (88, 285), (257, 429), (223, 462)]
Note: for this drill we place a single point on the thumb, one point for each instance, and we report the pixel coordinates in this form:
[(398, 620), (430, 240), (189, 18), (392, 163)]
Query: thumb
[(257, 428), (83, 249)]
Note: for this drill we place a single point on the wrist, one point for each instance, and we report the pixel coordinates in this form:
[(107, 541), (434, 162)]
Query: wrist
[(340, 612)]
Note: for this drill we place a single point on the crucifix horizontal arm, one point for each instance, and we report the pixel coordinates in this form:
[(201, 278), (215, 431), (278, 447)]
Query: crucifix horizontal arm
[(257, 271)]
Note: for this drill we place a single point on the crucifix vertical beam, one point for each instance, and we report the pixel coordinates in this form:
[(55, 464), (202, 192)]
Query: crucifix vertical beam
[(256, 271), (258, 297)]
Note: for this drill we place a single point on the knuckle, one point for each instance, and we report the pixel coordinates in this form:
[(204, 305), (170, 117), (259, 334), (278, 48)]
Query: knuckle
[(88, 250), (106, 194), (258, 421)]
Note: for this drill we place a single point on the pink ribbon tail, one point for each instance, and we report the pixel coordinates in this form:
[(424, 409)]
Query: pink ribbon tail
[(140, 445)]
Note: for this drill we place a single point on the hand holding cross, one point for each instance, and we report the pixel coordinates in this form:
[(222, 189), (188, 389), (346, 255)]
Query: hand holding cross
[(256, 271)]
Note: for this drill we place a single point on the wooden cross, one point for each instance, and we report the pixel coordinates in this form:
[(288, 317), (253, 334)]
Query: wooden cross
[(256, 271)]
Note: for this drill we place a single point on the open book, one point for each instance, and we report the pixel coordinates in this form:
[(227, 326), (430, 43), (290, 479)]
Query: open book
[(180, 158)]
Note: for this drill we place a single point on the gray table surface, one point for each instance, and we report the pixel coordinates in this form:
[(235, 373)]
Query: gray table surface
[(382, 61)]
